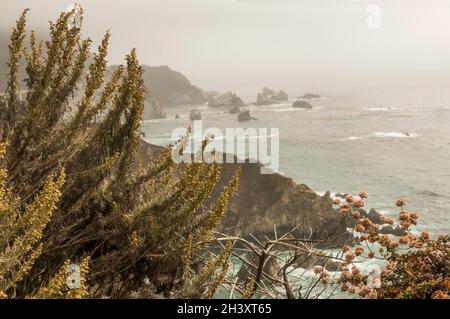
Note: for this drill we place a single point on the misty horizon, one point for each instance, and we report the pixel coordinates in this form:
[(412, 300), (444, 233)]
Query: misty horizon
[(295, 45)]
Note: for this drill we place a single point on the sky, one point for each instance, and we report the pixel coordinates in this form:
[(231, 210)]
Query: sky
[(243, 45)]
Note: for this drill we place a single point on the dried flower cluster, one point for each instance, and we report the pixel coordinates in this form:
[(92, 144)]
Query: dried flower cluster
[(417, 266)]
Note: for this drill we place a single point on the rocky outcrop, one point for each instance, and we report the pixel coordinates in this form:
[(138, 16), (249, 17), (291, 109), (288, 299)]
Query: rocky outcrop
[(235, 110), (280, 96), (396, 231), (195, 115), (153, 109), (265, 202), (261, 99), (169, 87), (302, 105), (268, 91), (245, 116), (228, 99), (309, 96), (269, 96), (374, 216)]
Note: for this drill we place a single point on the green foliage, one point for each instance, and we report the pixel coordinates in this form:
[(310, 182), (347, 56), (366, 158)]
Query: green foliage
[(132, 219)]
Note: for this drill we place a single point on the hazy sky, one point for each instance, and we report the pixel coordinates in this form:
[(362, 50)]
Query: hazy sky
[(292, 44)]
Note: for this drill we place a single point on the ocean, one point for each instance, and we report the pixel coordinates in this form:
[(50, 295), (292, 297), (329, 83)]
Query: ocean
[(389, 147)]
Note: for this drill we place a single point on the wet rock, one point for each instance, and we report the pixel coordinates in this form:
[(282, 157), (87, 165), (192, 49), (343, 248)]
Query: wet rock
[(302, 105), (195, 115), (390, 230), (268, 91), (374, 216), (309, 96), (228, 99), (261, 99), (234, 110), (280, 96), (245, 116)]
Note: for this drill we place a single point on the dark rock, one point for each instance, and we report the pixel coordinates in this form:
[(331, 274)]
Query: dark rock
[(234, 110), (195, 115), (302, 105), (177, 116), (228, 99), (169, 87), (309, 96), (269, 96), (261, 99), (268, 91), (396, 231), (245, 116), (374, 216), (280, 96), (267, 201)]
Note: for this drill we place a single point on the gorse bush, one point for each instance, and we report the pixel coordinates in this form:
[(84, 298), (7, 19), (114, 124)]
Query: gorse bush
[(21, 231), (130, 219)]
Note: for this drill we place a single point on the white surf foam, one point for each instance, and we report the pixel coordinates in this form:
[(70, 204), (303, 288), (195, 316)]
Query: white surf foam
[(395, 135), (354, 138), (381, 109)]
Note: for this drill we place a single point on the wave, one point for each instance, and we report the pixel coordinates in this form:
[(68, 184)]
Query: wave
[(354, 138), (386, 212), (380, 109), (332, 193), (280, 109), (288, 109), (395, 134), (278, 104), (154, 121), (316, 109), (249, 137)]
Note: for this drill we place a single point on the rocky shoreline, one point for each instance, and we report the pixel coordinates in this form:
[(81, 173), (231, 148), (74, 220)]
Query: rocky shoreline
[(266, 203)]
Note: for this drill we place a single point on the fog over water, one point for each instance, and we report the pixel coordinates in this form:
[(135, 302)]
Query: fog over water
[(297, 45)]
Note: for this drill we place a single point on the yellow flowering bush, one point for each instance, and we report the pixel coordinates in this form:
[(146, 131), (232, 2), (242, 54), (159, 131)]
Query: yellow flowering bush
[(21, 232)]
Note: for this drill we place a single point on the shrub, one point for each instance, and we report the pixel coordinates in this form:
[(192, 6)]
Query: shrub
[(131, 219), (21, 231), (417, 266)]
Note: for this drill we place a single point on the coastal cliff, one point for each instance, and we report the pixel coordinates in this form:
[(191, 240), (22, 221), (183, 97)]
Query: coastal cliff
[(268, 201)]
